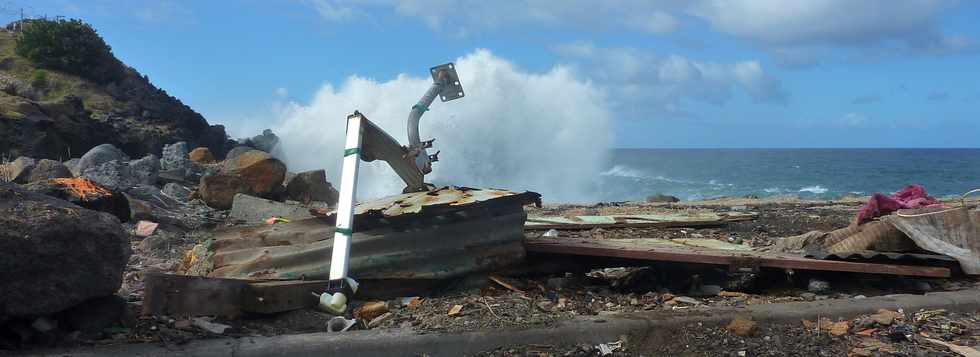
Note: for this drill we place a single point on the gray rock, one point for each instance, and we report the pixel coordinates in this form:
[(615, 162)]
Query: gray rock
[(817, 286), (99, 155), (122, 176), (19, 170), (72, 166), (177, 191), (311, 186), (145, 170), (49, 169), (267, 141), (54, 254), (253, 209), (175, 157)]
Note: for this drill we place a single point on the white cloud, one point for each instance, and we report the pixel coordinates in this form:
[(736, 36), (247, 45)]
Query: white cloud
[(282, 92), (546, 132), (785, 25), (457, 17), (639, 81), (852, 120)]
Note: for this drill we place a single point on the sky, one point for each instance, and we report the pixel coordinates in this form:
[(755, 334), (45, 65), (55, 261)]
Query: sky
[(698, 73)]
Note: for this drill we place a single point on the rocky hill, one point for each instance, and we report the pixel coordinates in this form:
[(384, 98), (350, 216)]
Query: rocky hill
[(49, 113)]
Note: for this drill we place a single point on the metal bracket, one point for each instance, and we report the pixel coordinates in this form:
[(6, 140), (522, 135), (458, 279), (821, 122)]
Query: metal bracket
[(446, 74)]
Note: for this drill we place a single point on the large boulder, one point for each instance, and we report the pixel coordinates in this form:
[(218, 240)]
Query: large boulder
[(201, 156), (19, 170), (54, 254), (218, 191), (99, 155), (238, 150), (311, 186), (119, 175), (49, 169), (175, 157), (85, 193), (262, 172)]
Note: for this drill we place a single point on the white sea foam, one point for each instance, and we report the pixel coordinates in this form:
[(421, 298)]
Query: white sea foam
[(623, 171), (547, 132), (772, 190), (814, 189)]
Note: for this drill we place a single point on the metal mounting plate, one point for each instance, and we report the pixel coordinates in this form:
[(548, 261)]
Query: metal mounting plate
[(453, 88)]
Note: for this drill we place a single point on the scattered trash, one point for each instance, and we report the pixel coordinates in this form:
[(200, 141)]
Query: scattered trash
[(551, 233), (340, 324), (885, 317), (410, 302), (455, 310), (961, 350), (274, 220), (502, 281), (839, 328), (686, 300), (212, 327), (817, 286), (378, 320), (145, 228), (606, 349), (370, 310)]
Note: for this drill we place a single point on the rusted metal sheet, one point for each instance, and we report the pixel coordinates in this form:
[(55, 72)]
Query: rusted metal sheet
[(420, 236), (953, 232), (668, 251), (665, 220)]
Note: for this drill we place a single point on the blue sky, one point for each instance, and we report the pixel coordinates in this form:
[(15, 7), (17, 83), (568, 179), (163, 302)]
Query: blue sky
[(699, 73)]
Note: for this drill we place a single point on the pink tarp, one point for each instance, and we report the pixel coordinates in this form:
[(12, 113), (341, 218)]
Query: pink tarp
[(912, 196)]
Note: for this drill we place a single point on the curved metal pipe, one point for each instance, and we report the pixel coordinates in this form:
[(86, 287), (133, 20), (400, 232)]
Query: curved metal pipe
[(414, 140)]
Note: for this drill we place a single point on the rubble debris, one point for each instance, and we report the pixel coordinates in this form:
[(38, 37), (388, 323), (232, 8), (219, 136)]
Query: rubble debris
[(817, 286), (176, 191), (503, 282), (742, 327), (311, 186), (455, 310), (212, 327), (885, 317), (54, 254), (48, 169), (85, 193), (253, 210), (961, 350), (201, 156), (380, 319), (839, 328), (551, 233)]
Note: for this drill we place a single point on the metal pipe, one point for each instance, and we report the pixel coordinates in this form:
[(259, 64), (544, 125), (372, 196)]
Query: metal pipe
[(414, 140)]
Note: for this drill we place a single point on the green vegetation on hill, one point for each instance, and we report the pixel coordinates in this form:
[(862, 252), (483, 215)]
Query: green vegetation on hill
[(70, 46)]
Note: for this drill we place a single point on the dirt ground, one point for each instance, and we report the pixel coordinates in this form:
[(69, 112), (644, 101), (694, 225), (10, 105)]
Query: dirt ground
[(542, 300)]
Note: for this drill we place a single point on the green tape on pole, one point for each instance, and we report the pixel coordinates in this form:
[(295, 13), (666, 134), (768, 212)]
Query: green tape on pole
[(349, 152), (344, 231), (420, 107)]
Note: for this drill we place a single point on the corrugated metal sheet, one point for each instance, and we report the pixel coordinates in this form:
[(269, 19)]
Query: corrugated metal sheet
[(452, 232)]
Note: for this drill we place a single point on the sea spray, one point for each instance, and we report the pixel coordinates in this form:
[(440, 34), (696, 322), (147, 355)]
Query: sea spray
[(546, 132)]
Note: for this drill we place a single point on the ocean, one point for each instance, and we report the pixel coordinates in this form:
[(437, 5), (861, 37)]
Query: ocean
[(693, 174)]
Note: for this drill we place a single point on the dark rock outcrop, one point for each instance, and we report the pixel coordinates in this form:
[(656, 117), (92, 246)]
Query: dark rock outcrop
[(54, 254), (311, 186)]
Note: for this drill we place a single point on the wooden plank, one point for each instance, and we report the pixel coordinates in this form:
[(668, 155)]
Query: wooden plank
[(723, 257), (183, 295), (663, 224), (277, 296)]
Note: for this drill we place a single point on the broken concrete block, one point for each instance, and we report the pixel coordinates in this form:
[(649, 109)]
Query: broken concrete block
[(253, 209)]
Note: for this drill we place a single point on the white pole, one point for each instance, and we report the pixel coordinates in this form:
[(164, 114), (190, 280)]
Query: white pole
[(345, 206)]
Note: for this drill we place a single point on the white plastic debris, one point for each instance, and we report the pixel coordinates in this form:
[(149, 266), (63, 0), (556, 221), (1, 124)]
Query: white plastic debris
[(606, 349), (209, 326), (551, 233), (336, 303)]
